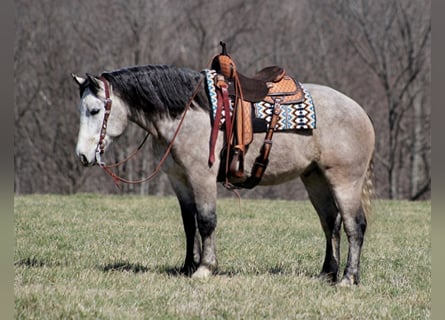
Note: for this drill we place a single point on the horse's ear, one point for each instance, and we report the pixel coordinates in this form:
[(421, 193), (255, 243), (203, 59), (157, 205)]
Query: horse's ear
[(93, 80), (79, 80)]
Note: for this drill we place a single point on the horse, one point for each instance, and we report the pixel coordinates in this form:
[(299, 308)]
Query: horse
[(334, 161)]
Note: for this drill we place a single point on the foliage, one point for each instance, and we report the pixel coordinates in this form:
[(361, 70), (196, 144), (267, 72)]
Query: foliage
[(116, 257)]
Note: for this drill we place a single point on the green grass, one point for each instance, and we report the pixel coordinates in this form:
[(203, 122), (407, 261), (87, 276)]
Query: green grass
[(115, 257)]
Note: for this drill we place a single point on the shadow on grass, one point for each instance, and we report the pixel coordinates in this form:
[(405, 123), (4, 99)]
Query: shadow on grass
[(118, 266), (125, 266), (35, 262), (173, 271)]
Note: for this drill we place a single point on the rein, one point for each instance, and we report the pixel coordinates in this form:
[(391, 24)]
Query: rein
[(101, 146)]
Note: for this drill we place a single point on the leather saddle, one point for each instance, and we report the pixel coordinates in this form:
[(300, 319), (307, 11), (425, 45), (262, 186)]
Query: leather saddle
[(256, 88), (263, 86), (268, 83), (271, 85)]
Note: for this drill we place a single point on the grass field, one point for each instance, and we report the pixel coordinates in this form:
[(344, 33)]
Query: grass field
[(115, 257)]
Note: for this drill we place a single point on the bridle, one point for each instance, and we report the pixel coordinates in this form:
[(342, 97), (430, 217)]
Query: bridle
[(103, 130)]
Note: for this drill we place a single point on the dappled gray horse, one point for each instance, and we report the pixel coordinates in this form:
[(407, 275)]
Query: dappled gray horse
[(334, 160)]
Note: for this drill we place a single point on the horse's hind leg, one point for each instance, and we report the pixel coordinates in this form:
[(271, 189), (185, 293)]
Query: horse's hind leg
[(323, 201), (348, 198)]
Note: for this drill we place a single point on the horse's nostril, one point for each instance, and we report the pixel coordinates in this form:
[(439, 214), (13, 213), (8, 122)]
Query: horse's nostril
[(83, 159)]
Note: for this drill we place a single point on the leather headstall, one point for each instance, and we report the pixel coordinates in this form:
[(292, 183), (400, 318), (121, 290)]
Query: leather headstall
[(103, 130)]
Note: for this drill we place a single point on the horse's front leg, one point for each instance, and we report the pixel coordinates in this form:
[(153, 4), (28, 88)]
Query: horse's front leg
[(192, 236), (193, 239), (206, 220), (198, 210), (204, 191)]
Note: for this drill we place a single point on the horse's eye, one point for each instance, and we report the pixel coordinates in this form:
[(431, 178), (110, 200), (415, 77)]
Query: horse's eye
[(94, 111)]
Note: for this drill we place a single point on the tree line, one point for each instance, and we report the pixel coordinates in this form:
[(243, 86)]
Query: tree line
[(377, 52)]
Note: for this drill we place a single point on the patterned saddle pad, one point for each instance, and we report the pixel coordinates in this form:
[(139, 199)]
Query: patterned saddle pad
[(293, 116)]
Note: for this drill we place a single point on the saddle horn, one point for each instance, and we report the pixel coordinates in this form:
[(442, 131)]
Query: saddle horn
[(223, 63), (223, 48)]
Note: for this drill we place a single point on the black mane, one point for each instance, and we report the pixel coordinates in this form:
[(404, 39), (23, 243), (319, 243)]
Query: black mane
[(156, 88)]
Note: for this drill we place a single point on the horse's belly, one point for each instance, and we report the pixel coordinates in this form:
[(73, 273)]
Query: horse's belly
[(290, 155)]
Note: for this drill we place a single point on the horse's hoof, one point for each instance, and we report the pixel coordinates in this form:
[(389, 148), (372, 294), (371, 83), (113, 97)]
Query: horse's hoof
[(188, 269), (347, 282), (328, 277), (202, 273)]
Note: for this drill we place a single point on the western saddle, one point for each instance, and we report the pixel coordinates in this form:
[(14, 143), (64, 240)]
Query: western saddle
[(235, 95)]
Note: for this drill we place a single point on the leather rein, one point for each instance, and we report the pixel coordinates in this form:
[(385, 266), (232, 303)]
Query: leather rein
[(101, 145)]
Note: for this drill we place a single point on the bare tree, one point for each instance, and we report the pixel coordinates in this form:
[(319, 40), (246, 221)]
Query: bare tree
[(393, 42), (377, 53)]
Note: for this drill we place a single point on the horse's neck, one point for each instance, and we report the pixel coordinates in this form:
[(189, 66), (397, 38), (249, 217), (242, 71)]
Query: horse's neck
[(132, 114), (138, 117), (159, 127), (164, 128)]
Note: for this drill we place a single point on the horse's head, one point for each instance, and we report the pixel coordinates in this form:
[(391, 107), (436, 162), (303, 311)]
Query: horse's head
[(94, 120)]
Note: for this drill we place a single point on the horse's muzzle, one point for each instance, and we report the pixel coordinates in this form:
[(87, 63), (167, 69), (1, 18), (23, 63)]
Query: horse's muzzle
[(85, 162)]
